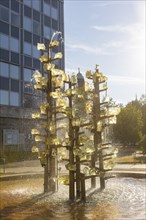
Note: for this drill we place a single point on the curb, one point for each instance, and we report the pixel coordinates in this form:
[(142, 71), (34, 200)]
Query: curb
[(118, 174), (20, 176)]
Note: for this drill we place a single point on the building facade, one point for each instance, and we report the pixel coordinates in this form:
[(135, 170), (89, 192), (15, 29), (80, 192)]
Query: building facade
[(23, 24)]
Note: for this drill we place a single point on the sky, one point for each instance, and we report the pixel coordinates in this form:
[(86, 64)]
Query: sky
[(112, 35)]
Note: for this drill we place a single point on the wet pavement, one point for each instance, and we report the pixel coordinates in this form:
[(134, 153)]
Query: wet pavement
[(23, 198)]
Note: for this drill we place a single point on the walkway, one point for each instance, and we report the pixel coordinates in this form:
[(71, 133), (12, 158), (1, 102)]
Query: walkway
[(33, 167)]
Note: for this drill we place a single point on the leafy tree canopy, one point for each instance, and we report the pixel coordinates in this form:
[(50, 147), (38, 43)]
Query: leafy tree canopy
[(130, 125)]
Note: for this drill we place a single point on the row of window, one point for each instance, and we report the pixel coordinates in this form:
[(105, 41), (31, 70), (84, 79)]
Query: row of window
[(28, 36), (4, 28), (14, 17), (14, 5), (15, 32), (13, 44), (14, 57), (9, 43), (36, 4), (9, 84), (30, 26), (35, 27), (13, 72), (9, 98), (48, 11), (31, 3), (6, 55), (9, 70)]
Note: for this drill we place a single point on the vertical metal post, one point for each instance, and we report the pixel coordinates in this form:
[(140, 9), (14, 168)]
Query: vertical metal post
[(97, 135), (83, 189), (78, 182), (102, 180), (96, 114), (71, 155), (50, 166), (47, 164)]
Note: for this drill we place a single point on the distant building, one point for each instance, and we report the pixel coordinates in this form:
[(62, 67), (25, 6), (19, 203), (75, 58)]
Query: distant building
[(80, 79), (23, 24)]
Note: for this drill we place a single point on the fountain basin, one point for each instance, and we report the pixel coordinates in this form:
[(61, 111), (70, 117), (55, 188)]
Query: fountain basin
[(123, 199)]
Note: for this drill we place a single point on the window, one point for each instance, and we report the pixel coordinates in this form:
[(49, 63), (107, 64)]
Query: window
[(36, 39), (47, 9), (14, 44), (27, 36), (28, 61), (27, 48), (4, 83), (4, 54), (27, 24), (27, 2), (36, 4), (14, 85), (47, 21), (36, 64), (27, 11), (54, 13), (27, 74), (14, 72), (4, 97), (47, 32), (4, 14), (28, 88), (52, 31), (15, 32), (14, 98), (4, 69), (47, 1), (36, 15), (15, 5), (11, 136), (15, 19), (4, 41), (36, 52), (54, 24), (36, 27), (5, 3), (14, 57), (46, 42), (4, 28), (54, 3)]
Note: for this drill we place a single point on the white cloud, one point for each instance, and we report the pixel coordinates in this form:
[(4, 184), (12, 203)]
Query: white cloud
[(86, 48), (122, 80), (128, 29), (133, 38), (110, 28), (106, 3)]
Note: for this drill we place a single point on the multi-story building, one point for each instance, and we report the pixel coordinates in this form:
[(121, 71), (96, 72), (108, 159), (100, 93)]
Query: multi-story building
[(23, 24)]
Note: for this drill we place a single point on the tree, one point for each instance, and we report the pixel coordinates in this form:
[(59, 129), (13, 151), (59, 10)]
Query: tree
[(142, 143), (129, 125), (143, 110)]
